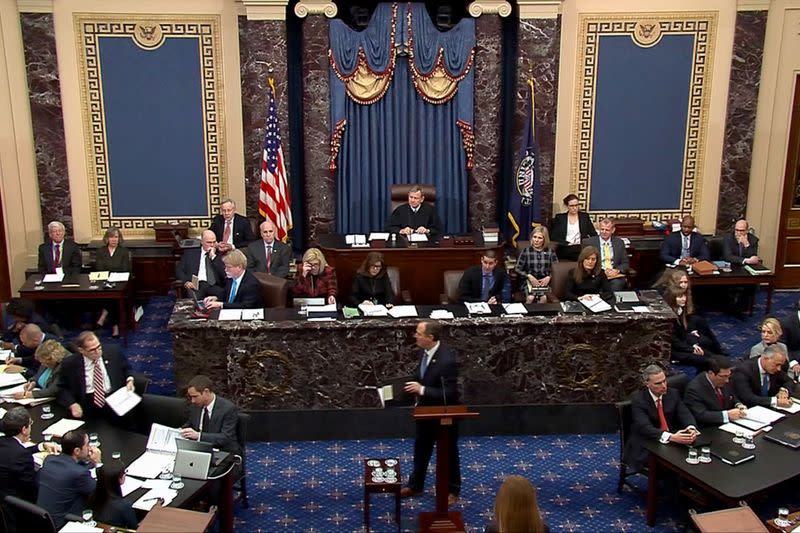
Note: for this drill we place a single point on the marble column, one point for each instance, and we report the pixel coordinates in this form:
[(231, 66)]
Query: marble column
[(38, 35), (320, 186), (737, 150)]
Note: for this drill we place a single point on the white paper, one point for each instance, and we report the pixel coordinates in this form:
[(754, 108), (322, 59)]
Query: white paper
[(378, 236), (162, 438), (478, 308), (157, 483), (360, 239), (151, 464), (116, 277), (100, 275), (53, 278), (79, 527), (373, 310), (594, 303), (794, 408), (8, 393), (130, 485), (417, 237), (515, 309), (403, 311), (750, 424), (62, 426), (732, 428), (4, 355), (32, 402), (329, 308), (2, 412), (763, 415), (641, 309), (252, 314), (146, 502), (321, 319), (230, 314), (123, 400), (441, 314), (6, 380), (349, 239)]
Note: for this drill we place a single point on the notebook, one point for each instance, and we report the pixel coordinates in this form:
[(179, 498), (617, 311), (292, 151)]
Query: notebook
[(731, 453)]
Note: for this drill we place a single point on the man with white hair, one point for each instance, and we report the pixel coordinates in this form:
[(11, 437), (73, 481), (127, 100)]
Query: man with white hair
[(58, 254), (232, 229)]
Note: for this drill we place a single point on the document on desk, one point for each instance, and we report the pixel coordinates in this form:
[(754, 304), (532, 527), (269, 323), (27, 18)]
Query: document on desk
[(373, 310), (442, 314), (762, 415), (130, 485), (403, 311), (329, 308), (252, 314), (117, 277), (594, 303), (79, 527), (151, 497), (162, 438), (794, 408), (230, 314), (53, 278), (417, 237), (7, 380), (478, 308), (378, 236), (2, 413), (62, 426), (123, 400), (515, 309), (732, 428)]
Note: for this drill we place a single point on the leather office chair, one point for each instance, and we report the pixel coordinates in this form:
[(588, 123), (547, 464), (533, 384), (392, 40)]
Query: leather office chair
[(166, 410), (274, 290), (398, 194), (28, 517), (451, 280), (241, 438), (400, 296), (558, 278)]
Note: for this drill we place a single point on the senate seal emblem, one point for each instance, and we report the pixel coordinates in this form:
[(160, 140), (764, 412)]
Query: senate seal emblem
[(646, 33), (526, 175)]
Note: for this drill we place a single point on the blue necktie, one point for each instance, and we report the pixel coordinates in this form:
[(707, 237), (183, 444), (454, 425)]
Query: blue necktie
[(487, 286), (423, 366), (765, 386), (234, 286)]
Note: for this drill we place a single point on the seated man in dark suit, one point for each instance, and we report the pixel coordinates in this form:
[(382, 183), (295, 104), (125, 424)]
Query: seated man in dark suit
[(613, 256), (206, 264), (91, 375), (791, 338), (65, 480), (19, 313), (212, 418), (710, 397), (685, 247), (30, 338), (740, 247), (658, 414), (484, 282), (762, 381), (414, 217), (268, 254), (242, 290), (231, 229), (58, 254)]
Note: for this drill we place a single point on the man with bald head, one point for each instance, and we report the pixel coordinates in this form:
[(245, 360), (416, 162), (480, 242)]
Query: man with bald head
[(685, 247), (740, 247), (205, 263), (30, 338), (268, 254)]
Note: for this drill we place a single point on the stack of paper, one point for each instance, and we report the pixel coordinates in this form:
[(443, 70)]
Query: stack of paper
[(441, 314), (594, 303), (150, 498), (478, 308), (378, 236), (403, 311), (53, 278), (515, 309), (732, 428), (373, 310), (62, 426), (417, 237), (116, 277), (160, 453), (230, 314), (7, 380)]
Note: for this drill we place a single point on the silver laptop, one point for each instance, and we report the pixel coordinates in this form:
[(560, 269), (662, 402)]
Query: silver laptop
[(193, 459)]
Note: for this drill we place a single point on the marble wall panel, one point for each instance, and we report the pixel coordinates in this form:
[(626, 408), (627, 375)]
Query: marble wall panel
[(538, 53), (748, 48), (44, 91), (262, 44), (320, 193), (485, 175)]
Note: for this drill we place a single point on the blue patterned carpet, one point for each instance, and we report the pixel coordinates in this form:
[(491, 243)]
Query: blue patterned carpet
[(318, 486)]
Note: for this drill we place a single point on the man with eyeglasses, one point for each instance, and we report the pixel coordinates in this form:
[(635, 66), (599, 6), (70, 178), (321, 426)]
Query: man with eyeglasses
[(740, 248), (710, 396), (204, 263)]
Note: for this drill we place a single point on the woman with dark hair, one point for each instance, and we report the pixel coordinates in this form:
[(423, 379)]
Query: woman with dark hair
[(587, 278), (112, 257), (371, 285), (516, 509), (693, 342), (107, 503), (570, 228)]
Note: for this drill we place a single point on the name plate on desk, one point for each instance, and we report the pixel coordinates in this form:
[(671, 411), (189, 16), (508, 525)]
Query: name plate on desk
[(464, 240)]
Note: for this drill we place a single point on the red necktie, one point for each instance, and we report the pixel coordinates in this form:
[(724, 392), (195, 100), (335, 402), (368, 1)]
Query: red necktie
[(269, 257), (661, 418), (98, 382), (720, 397), (57, 256), (227, 233)]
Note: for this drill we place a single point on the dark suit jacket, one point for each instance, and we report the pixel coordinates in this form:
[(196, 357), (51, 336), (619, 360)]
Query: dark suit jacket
[(221, 430), (791, 334), (731, 251), (64, 487), (28, 355), (189, 266), (367, 288), (747, 383), (469, 288), (645, 424), (119, 262), (70, 257), (248, 294), (72, 380), (17, 473), (242, 231), (702, 401), (558, 227), (443, 368), (673, 243), (620, 259), (425, 216), (278, 263), (118, 512), (590, 285)]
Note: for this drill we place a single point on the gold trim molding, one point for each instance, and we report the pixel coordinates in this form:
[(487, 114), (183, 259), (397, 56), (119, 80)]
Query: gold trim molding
[(265, 9), (35, 6), (489, 7), (753, 5), (315, 7), (539, 9)]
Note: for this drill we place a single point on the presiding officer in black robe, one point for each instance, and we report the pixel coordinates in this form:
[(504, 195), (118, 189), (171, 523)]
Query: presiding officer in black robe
[(415, 217)]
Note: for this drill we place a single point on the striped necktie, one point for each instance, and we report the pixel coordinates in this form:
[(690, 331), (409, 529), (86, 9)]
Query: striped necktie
[(98, 382)]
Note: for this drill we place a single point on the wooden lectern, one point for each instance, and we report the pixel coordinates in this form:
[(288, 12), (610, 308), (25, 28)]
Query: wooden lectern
[(445, 415)]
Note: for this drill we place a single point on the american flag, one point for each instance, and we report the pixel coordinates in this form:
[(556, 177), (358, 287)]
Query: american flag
[(273, 198)]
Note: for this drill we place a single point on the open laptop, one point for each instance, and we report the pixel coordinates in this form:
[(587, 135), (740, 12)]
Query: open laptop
[(199, 310), (193, 458)]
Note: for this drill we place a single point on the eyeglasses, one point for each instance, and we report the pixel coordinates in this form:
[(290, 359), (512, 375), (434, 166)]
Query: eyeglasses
[(573, 205)]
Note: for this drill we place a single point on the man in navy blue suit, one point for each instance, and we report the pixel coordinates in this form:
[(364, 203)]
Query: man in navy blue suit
[(685, 247), (242, 290), (436, 384)]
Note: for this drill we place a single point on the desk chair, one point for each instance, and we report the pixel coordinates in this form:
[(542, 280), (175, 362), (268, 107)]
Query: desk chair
[(451, 280), (29, 517), (400, 296), (274, 290), (398, 194), (167, 410), (558, 278), (241, 437)]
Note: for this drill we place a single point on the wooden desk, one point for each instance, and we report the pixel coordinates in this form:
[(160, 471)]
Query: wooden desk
[(421, 267), (794, 520), (737, 276)]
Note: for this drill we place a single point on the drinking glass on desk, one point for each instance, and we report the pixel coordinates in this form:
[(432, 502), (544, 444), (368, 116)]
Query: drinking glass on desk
[(94, 440), (87, 516), (783, 518), (47, 412), (166, 473), (739, 438), (748, 443), (48, 437), (177, 482)]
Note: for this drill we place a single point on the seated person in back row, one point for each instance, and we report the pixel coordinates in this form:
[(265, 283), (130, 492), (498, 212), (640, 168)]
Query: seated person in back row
[(231, 229), (206, 264), (762, 381), (19, 313), (414, 217), (740, 247), (613, 256), (315, 278), (484, 282), (371, 284), (268, 254), (242, 290), (587, 278), (685, 247), (57, 253), (535, 266)]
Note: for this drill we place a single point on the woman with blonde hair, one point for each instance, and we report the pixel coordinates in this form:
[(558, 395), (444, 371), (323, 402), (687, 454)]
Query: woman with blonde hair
[(535, 266), (316, 278), (771, 331), (515, 508), (50, 354)]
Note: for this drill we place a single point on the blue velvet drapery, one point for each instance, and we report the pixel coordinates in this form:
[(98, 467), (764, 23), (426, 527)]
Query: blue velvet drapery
[(400, 138)]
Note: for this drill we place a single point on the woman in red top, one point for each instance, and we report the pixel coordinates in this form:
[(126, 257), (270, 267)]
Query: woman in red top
[(315, 279)]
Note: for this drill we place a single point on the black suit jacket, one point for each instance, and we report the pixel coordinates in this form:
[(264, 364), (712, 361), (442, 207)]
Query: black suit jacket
[(119, 262), (620, 259), (645, 424), (189, 266), (72, 379), (248, 294), (791, 334), (702, 401), (673, 243), (558, 227), (278, 263), (747, 383), (425, 216), (70, 257), (221, 430), (469, 288), (242, 232), (17, 473), (441, 377), (735, 255)]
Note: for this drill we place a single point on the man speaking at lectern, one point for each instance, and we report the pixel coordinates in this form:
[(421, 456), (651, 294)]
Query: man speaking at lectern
[(437, 380), (414, 217)]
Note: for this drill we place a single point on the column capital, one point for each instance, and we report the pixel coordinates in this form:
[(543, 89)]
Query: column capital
[(265, 9), (539, 9), (489, 7), (315, 7)]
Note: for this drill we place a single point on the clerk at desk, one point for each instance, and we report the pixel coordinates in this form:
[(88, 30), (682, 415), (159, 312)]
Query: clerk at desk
[(415, 217)]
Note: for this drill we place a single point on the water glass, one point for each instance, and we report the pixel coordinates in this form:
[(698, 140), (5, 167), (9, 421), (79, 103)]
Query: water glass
[(705, 454), (692, 458), (47, 412), (748, 443), (94, 440), (116, 455), (165, 474), (177, 482), (739, 438), (783, 518), (87, 516), (48, 437)]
